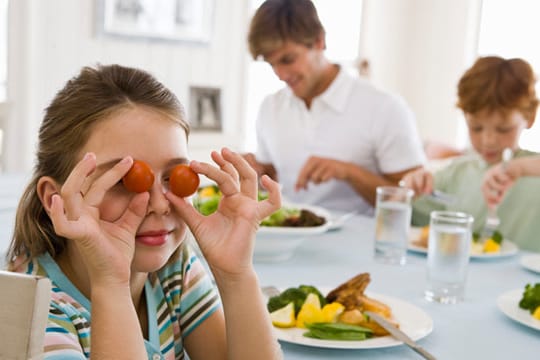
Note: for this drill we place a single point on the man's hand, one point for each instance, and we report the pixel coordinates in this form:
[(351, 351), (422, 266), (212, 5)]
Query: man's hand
[(319, 170)]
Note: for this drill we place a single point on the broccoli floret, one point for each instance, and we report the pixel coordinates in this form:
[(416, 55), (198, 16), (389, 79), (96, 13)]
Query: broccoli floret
[(497, 237), (312, 289), (294, 295), (531, 297)]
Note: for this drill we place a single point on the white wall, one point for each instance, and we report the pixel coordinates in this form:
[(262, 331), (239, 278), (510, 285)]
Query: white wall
[(49, 41), (417, 48)]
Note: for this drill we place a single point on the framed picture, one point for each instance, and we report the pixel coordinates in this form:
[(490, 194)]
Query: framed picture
[(205, 108), (170, 20)]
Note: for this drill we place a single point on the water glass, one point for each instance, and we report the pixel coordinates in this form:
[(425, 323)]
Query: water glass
[(392, 224), (449, 248)]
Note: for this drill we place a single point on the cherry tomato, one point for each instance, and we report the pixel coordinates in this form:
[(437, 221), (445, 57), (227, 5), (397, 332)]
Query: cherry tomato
[(183, 181), (139, 178)]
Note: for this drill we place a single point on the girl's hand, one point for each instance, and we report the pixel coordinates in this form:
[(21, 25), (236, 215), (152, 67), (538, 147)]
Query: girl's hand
[(420, 181), (227, 237), (497, 180), (106, 247)]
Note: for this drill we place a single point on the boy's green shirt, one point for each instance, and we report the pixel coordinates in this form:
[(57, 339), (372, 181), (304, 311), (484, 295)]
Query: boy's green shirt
[(519, 211)]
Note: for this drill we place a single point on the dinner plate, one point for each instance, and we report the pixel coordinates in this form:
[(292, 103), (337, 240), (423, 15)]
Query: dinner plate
[(338, 220), (531, 262), (414, 321), (508, 248), (508, 303), (278, 243), (301, 230)]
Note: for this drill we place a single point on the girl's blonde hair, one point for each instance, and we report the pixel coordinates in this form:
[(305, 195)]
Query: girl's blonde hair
[(88, 98)]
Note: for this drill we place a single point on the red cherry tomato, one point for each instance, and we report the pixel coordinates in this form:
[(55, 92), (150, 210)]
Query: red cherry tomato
[(183, 181), (139, 178)]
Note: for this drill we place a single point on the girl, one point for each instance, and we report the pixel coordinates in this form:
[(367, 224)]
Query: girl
[(125, 283)]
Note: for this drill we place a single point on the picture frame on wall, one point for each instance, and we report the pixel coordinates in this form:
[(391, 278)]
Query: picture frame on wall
[(166, 20), (205, 109)]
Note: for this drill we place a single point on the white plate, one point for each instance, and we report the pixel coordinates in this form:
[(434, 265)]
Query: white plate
[(338, 220), (412, 320), (531, 262), (508, 248), (508, 303), (305, 230), (278, 243)]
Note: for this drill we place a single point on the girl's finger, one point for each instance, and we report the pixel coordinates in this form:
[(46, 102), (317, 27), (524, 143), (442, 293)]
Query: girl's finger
[(71, 190), (226, 166), (96, 192), (135, 212), (224, 180), (273, 202), (248, 176)]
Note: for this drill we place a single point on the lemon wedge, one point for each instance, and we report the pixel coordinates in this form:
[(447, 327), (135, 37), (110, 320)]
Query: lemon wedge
[(536, 313), (284, 317), (312, 298), (490, 246)]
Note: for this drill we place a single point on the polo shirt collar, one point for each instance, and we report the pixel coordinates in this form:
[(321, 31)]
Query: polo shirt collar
[(337, 94)]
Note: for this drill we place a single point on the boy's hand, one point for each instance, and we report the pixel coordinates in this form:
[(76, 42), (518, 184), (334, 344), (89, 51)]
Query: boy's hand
[(420, 181)]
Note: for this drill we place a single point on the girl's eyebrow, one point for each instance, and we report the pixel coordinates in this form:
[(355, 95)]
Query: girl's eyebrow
[(109, 164)]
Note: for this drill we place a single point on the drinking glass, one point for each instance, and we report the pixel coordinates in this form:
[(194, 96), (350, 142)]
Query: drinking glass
[(449, 248), (392, 224)]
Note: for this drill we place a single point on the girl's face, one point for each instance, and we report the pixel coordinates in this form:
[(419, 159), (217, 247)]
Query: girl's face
[(150, 136), (491, 132)]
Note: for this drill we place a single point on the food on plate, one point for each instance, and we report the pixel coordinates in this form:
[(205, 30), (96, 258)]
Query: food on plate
[(338, 316), (139, 178), (478, 247), (208, 197), (295, 295), (531, 300), (183, 181)]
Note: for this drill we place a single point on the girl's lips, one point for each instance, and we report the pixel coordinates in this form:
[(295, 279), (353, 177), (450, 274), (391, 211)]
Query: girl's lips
[(152, 238)]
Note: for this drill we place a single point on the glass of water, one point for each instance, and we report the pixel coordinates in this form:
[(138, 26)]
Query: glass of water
[(392, 224), (449, 248)]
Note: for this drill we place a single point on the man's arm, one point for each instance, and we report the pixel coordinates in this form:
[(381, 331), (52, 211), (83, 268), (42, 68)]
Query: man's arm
[(261, 168), (319, 170), (365, 182)]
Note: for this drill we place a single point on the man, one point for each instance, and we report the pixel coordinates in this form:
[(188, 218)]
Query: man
[(330, 138)]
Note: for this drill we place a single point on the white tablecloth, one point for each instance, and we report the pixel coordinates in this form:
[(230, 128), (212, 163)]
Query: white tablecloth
[(473, 329)]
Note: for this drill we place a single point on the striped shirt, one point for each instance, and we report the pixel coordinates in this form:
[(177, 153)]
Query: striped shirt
[(179, 298)]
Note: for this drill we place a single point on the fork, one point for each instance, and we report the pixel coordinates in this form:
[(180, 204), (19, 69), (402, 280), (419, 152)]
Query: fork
[(492, 219), (270, 291)]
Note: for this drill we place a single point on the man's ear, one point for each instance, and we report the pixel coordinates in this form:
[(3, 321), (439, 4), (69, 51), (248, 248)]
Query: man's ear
[(320, 42), (530, 120), (46, 188)]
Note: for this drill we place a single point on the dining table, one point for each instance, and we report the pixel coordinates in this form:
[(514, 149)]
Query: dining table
[(474, 328)]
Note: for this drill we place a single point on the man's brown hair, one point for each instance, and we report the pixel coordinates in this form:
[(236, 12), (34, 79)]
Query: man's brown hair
[(278, 21)]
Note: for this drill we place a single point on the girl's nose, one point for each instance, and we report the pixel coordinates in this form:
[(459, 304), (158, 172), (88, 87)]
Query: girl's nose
[(158, 203)]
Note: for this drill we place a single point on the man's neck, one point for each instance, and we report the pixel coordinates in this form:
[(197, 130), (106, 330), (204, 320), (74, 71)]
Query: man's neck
[(328, 75)]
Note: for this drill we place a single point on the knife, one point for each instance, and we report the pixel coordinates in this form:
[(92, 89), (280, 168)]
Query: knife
[(400, 335)]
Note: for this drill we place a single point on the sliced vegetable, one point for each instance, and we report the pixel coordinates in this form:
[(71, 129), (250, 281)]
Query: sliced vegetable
[(284, 317), (337, 331)]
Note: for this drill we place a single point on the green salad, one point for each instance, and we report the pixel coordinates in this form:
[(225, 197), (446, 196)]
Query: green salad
[(207, 201)]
